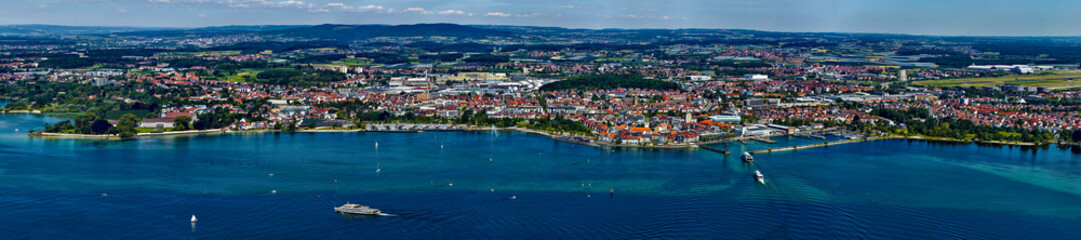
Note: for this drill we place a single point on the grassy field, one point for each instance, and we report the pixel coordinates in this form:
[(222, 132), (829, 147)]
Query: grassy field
[(201, 54), (115, 114), (1058, 79), (353, 61), (239, 76)]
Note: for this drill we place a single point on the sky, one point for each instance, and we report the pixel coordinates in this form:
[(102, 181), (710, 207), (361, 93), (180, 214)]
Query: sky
[(922, 17)]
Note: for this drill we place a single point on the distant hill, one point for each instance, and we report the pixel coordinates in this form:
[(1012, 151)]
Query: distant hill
[(362, 32), (44, 30), (212, 31)]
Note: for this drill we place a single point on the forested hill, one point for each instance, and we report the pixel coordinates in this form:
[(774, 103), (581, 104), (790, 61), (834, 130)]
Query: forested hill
[(602, 82), (363, 32)]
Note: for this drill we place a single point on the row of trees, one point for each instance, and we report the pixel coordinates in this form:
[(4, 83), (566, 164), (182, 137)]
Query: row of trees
[(609, 81), (919, 122), (298, 77), (91, 123)]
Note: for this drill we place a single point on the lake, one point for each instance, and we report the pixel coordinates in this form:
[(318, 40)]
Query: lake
[(442, 185)]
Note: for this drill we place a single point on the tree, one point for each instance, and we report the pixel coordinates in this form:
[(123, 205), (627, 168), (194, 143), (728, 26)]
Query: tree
[(100, 126), (84, 122), (1076, 136), (126, 126), (181, 123)]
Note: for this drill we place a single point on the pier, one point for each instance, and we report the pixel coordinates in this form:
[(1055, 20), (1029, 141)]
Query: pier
[(725, 152), (810, 136), (798, 147), (765, 140)]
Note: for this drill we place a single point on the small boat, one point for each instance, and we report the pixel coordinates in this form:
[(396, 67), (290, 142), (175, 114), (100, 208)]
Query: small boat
[(357, 209), (747, 158), (759, 177), (377, 145), (513, 197), (489, 159), (193, 219)]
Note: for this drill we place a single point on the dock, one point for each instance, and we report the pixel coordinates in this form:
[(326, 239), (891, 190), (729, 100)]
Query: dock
[(810, 136), (798, 147), (765, 140), (725, 152)]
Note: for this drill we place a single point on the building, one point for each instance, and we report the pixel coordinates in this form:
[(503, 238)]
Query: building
[(157, 123), (699, 78), (1021, 69), (761, 102), (756, 77), (755, 131), (783, 128), (476, 76), (726, 118)]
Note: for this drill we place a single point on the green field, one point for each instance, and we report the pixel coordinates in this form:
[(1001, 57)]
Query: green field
[(115, 114), (239, 76), (1060, 79), (200, 54), (353, 61)]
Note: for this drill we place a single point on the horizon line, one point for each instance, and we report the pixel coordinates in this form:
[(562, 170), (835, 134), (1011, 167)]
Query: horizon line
[(567, 28)]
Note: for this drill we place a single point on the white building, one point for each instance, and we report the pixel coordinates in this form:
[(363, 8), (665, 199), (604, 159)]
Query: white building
[(699, 78), (756, 77)]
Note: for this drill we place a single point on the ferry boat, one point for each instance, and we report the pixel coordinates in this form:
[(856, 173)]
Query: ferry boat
[(759, 177), (357, 209), (747, 158)]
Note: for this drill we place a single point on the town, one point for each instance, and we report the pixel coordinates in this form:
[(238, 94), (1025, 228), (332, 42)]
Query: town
[(677, 89)]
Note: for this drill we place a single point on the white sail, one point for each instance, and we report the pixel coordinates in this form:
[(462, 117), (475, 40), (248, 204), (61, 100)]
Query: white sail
[(193, 219)]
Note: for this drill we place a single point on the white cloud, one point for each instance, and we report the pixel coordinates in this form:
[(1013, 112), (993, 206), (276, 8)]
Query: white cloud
[(339, 6), (43, 6), (417, 10), (527, 15), (497, 14), (452, 12), (291, 3), (122, 11), (203, 15), (369, 8), (577, 7), (158, 1)]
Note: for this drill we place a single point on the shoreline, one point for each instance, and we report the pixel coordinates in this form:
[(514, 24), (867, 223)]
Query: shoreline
[(554, 136), (919, 138)]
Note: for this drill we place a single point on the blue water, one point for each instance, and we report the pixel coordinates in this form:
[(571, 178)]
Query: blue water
[(53, 188)]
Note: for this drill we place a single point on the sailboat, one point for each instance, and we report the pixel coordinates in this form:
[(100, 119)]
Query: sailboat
[(193, 219), (376, 145), (377, 169)]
